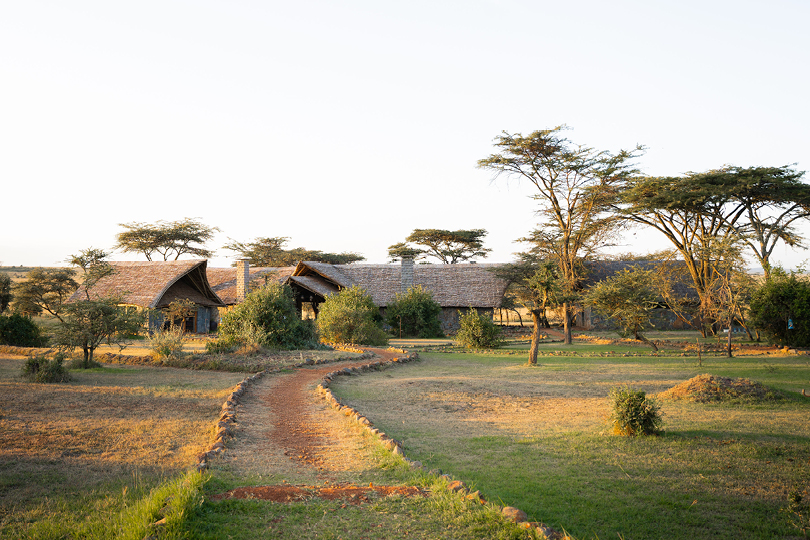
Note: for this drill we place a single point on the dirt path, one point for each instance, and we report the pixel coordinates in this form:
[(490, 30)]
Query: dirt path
[(287, 434)]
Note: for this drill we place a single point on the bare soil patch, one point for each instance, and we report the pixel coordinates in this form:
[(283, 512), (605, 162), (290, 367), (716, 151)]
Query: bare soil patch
[(349, 492)]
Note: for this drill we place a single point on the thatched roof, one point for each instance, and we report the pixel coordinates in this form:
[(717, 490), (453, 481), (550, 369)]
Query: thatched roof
[(154, 284), (683, 287), (223, 280), (452, 285)]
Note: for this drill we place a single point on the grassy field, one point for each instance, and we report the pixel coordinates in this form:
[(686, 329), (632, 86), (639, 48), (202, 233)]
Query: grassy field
[(73, 456), (537, 438)]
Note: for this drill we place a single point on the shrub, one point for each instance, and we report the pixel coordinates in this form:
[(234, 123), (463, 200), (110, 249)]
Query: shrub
[(20, 331), (634, 413), (268, 318), (781, 309), (166, 344), (351, 317), (477, 331), (220, 346), (415, 314), (40, 369)]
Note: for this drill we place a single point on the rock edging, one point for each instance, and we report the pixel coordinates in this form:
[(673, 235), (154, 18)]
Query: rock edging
[(395, 447)]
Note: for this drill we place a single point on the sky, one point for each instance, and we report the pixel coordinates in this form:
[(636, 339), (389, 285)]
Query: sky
[(346, 125)]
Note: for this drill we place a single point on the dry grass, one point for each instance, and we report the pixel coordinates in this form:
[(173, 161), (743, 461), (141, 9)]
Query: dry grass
[(104, 427)]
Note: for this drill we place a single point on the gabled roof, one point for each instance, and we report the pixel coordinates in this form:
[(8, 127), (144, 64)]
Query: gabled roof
[(223, 280), (154, 284), (452, 285)]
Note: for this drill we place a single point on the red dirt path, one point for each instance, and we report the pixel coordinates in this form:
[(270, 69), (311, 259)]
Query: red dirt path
[(301, 438)]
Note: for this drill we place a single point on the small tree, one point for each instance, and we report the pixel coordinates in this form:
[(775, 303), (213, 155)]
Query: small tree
[(534, 284), (415, 313), (628, 297), (167, 239), (350, 316), (268, 317), (449, 247), (477, 331), (89, 323)]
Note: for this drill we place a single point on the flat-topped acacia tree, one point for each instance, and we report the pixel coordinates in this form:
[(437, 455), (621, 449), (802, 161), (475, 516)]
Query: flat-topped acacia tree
[(575, 188)]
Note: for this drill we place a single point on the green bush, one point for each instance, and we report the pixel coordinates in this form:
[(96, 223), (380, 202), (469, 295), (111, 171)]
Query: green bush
[(20, 331), (40, 369), (268, 318), (167, 344), (781, 309), (478, 331), (414, 314), (220, 346), (351, 317), (633, 413)]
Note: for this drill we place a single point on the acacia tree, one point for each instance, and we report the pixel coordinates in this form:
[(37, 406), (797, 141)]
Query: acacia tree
[(534, 284), (449, 247), (44, 290), (772, 199), (575, 187), (700, 211), (169, 239), (270, 252)]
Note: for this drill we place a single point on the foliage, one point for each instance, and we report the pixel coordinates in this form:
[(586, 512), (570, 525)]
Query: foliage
[(5, 291), (88, 323), (449, 247), (478, 331), (268, 318), (414, 313), (270, 252), (350, 316), (780, 308), (798, 510), (221, 346), (707, 213), (633, 413), (629, 298), (40, 369), (177, 311), (535, 285), (166, 344), (184, 237), (44, 290), (576, 187), (20, 331)]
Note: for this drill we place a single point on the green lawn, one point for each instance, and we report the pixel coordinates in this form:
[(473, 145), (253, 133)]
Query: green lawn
[(536, 438)]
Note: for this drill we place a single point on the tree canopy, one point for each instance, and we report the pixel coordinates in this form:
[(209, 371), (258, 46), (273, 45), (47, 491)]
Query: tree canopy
[(169, 239), (575, 188), (449, 247), (702, 214), (270, 252)]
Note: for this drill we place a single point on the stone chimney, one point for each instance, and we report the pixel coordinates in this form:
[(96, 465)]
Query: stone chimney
[(242, 279), (406, 279)]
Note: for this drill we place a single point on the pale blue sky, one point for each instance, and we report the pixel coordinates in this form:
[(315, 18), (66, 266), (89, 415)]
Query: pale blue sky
[(345, 125)]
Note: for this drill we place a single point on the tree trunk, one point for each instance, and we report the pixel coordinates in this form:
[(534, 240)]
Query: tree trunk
[(535, 338), (728, 343), (568, 338)]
